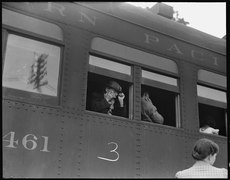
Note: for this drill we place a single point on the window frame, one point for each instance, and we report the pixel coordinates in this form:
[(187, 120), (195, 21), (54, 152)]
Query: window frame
[(211, 102), (168, 87), (108, 73), (56, 29), (208, 101), (111, 55), (31, 97)]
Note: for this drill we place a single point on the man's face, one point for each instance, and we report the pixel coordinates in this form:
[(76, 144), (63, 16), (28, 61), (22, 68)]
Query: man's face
[(111, 93)]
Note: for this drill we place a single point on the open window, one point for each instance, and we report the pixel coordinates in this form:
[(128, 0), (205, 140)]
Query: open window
[(101, 72), (163, 92), (212, 103), (162, 86)]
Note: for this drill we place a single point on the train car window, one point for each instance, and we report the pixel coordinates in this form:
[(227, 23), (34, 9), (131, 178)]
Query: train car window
[(134, 55), (31, 65), (162, 91), (212, 103), (118, 67), (31, 24), (104, 91), (159, 78), (210, 93), (212, 78)]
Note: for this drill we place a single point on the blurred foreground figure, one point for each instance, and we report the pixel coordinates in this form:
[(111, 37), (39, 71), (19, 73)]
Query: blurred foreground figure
[(204, 152)]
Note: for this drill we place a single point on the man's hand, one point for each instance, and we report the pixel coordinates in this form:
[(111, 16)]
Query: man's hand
[(121, 97)]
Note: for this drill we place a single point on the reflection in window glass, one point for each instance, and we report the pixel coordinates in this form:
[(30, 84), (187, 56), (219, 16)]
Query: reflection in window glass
[(31, 66)]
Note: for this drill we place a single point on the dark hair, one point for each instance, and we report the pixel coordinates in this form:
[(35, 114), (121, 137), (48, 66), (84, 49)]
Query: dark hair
[(144, 93), (210, 121), (203, 148)]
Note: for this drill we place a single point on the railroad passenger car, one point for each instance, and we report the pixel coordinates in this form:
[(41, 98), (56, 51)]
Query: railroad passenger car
[(55, 55)]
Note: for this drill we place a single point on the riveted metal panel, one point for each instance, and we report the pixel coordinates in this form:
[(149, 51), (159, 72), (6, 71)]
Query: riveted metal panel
[(68, 141), (36, 133), (161, 159), (137, 93), (109, 149), (70, 146), (75, 69), (188, 94)]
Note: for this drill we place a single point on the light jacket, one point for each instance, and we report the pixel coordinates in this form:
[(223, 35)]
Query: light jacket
[(209, 130), (149, 111), (202, 169)]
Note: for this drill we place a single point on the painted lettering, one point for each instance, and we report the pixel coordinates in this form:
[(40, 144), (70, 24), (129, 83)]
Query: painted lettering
[(113, 151), (11, 141), (45, 144), (29, 142), (151, 38), (174, 48), (91, 20), (26, 141), (197, 55), (215, 61), (59, 7)]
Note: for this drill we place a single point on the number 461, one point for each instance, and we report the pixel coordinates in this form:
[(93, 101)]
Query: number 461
[(29, 144)]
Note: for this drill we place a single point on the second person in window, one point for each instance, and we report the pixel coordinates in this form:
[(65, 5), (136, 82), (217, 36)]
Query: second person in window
[(149, 111)]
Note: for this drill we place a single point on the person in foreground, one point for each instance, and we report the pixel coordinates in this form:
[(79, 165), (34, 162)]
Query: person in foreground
[(204, 152)]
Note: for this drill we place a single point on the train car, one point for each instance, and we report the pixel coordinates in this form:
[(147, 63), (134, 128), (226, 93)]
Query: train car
[(57, 54)]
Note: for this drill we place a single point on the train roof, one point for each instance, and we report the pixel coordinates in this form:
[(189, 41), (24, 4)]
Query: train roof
[(149, 20)]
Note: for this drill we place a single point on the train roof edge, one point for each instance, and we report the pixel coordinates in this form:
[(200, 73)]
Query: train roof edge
[(147, 19)]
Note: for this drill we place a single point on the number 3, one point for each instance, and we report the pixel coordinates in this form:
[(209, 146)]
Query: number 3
[(114, 150)]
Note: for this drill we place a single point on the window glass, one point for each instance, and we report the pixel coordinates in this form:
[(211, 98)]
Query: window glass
[(213, 78), (134, 55), (158, 77), (31, 65), (110, 65), (211, 93), (24, 22), (212, 103)]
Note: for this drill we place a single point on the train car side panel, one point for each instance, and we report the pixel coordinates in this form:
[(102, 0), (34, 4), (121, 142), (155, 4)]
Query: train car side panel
[(110, 148), (157, 157), (31, 139)]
